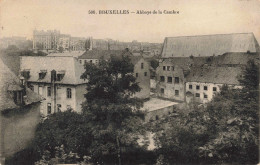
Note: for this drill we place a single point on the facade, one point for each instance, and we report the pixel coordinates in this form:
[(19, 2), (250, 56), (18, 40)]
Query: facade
[(45, 40), (142, 74), (57, 79), (170, 80), (64, 42), (209, 45), (53, 40)]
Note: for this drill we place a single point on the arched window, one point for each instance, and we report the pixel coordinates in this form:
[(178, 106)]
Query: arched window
[(69, 93)]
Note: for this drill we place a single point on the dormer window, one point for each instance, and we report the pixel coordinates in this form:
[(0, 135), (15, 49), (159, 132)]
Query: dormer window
[(42, 74), (26, 73), (60, 75)]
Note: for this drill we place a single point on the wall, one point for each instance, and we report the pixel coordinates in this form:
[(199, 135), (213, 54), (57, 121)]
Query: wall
[(209, 92), (19, 129), (158, 114), (61, 97), (169, 88), (144, 81)]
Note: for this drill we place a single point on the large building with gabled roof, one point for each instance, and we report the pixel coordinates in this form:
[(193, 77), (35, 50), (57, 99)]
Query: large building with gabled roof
[(209, 45)]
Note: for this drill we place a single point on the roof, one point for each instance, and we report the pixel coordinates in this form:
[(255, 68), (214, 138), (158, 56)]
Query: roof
[(213, 74), (10, 82), (97, 54), (208, 45), (233, 58), (72, 68), (66, 54), (185, 62)]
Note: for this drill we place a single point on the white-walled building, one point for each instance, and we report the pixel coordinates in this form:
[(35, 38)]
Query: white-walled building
[(203, 83), (57, 79)]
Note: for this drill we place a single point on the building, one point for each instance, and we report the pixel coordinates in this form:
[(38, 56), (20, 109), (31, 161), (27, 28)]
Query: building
[(64, 42), (77, 44), (57, 79), (8, 41), (204, 82), (141, 66), (209, 45), (45, 40), (19, 113)]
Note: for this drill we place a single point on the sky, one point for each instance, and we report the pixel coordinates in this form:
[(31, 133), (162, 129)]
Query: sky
[(200, 17)]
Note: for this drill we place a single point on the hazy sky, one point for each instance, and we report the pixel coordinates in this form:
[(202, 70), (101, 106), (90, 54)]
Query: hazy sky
[(199, 17)]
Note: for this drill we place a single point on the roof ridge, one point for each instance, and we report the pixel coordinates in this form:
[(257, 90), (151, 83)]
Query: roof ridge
[(210, 35)]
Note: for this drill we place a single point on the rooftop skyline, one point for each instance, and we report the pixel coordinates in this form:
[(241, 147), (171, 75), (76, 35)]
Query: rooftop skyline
[(204, 17)]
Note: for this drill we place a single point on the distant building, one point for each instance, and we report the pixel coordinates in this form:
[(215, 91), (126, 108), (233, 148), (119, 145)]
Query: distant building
[(54, 40), (204, 82), (141, 66), (57, 79), (64, 42), (209, 45), (46, 40), (8, 41)]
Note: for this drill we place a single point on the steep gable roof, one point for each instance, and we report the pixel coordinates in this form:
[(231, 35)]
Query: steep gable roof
[(208, 45), (68, 65), (98, 54)]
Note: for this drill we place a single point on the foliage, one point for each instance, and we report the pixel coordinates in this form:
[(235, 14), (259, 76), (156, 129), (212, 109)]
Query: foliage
[(225, 130), (154, 63), (63, 128), (61, 49), (110, 107)]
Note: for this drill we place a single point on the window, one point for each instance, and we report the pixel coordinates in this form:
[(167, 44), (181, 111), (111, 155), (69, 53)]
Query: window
[(142, 65), (49, 108), (176, 92), (197, 95), (60, 77), (145, 73), (162, 78), (42, 74), (85, 61), (214, 89), (169, 79), (136, 75), (48, 91), (197, 87), (90, 61), (156, 117), (168, 68), (190, 86), (162, 90), (177, 80), (205, 88), (172, 68), (80, 61), (69, 93), (205, 96), (164, 68), (59, 107)]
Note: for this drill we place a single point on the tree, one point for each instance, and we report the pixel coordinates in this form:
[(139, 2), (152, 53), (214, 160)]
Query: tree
[(110, 107), (87, 44), (68, 128), (225, 130), (61, 49)]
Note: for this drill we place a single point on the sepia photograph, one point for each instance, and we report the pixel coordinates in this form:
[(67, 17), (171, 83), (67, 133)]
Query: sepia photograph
[(129, 82)]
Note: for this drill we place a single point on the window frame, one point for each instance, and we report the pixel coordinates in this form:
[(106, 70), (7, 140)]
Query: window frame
[(169, 78), (176, 80), (197, 95), (177, 93), (162, 79), (197, 87), (69, 93), (49, 91)]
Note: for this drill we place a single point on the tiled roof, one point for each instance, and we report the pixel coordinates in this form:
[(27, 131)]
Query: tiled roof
[(185, 62), (73, 69), (208, 45), (10, 82), (97, 54), (212, 74)]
